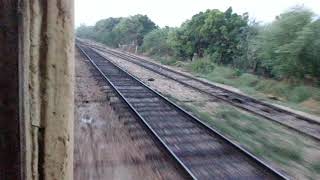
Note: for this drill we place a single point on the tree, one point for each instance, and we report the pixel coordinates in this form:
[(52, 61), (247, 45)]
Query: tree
[(182, 45), (218, 34), (225, 33), (285, 42), (115, 31), (134, 28), (104, 31), (302, 55), (84, 31), (157, 42)]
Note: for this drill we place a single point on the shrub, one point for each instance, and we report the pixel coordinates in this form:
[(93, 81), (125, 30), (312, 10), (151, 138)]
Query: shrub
[(299, 94), (202, 66), (248, 80)]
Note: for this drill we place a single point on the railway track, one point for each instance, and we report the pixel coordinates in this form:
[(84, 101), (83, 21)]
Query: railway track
[(296, 122), (199, 150)]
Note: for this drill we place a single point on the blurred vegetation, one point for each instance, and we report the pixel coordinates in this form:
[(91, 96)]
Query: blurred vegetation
[(265, 139)]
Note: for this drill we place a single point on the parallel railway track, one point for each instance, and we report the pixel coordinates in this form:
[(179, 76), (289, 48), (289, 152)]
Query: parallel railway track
[(296, 122), (199, 150)]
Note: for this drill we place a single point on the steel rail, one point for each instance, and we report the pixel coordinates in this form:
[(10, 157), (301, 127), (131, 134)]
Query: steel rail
[(203, 125), (313, 123), (150, 130)]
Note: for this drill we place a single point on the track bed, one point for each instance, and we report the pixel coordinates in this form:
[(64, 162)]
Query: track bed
[(201, 151)]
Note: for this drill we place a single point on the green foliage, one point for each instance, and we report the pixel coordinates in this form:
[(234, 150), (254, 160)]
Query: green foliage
[(182, 47), (215, 33), (166, 60), (316, 167), (133, 29), (248, 80), (251, 132), (262, 87), (104, 31), (157, 42), (289, 47), (115, 31), (203, 66), (85, 31), (299, 94)]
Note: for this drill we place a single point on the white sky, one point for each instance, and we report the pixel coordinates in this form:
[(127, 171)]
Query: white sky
[(174, 12)]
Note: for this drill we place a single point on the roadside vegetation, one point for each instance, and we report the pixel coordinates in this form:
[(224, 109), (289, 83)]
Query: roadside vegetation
[(278, 61), (295, 95)]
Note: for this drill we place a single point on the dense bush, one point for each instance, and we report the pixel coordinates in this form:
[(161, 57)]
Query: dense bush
[(85, 31), (215, 33), (287, 48), (203, 66), (157, 42), (115, 31)]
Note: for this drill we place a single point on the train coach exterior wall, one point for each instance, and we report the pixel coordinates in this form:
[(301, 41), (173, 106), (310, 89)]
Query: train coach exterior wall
[(36, 84), (47, 50)]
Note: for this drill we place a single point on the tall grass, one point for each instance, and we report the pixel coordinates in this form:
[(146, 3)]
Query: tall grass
[(202, 66)]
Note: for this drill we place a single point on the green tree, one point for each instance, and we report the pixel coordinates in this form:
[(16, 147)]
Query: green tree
[(302, 55), (84, 31), (133, 29), (183, 47), (104, 31), (115, 31), (157, 42), (225, 33), (287, 44), (215, 33)]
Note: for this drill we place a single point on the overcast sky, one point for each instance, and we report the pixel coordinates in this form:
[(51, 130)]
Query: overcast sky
[(174, 12)]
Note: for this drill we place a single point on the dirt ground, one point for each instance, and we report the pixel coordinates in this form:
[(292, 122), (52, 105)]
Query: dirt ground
[(104, 147)]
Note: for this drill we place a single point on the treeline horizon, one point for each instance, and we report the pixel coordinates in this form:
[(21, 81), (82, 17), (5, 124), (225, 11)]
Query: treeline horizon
[(287, 48)]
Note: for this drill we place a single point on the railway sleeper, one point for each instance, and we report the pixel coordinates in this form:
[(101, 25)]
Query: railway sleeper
[(144, 100), (173, 119), (151, 108), (146, 104), (187, 139), (141, 90), (138, 95), (162, 111), (175, 125), (171, 132), (131, 88)]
